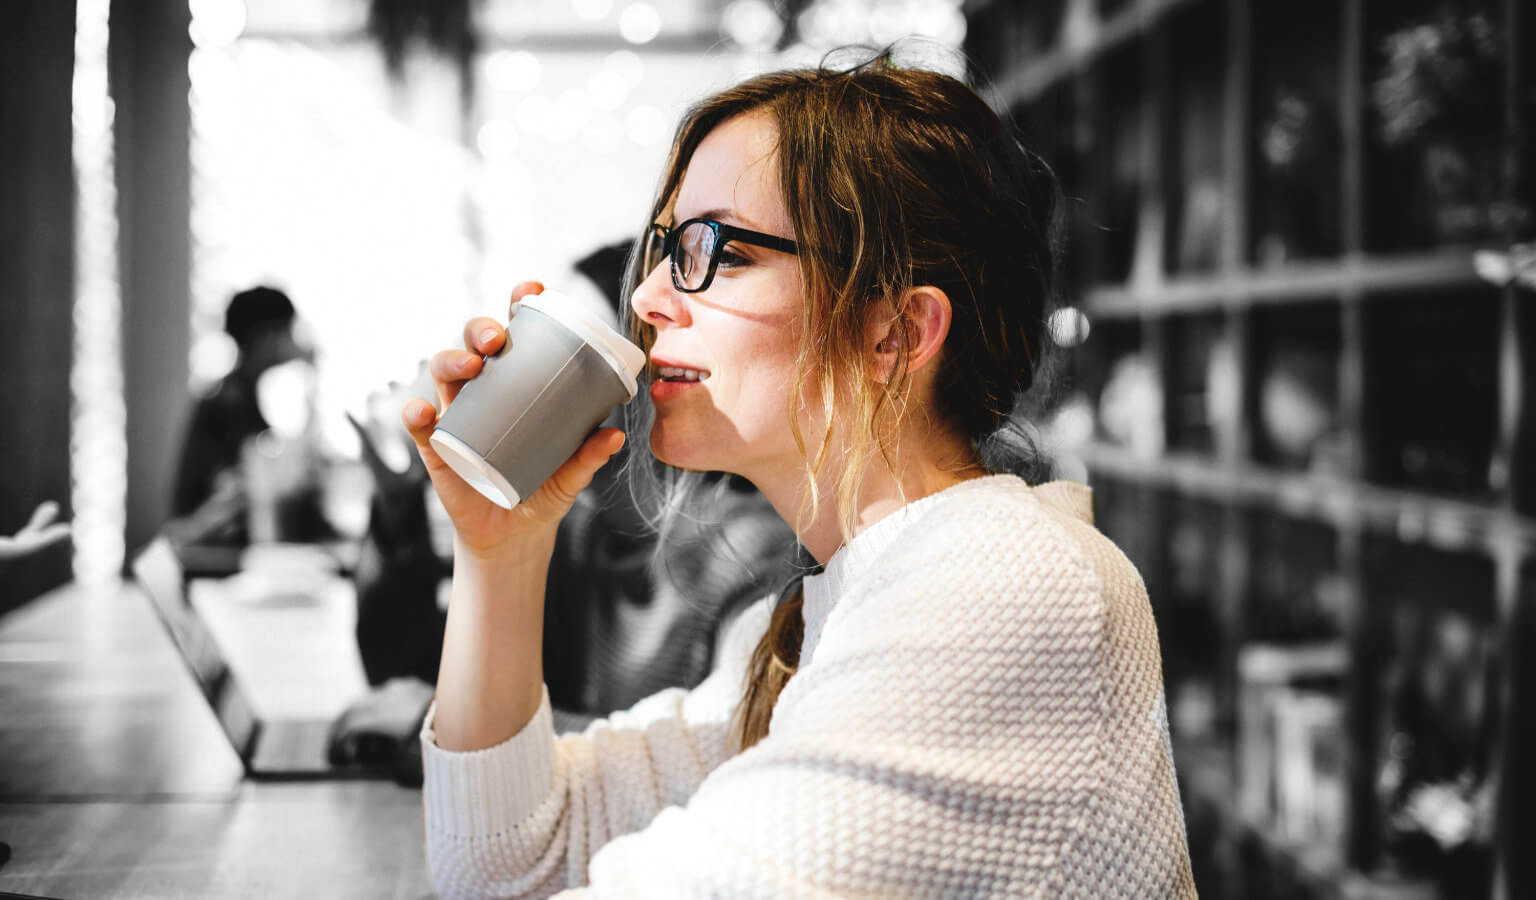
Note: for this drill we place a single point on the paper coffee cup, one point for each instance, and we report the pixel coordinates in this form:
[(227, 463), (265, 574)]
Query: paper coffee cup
[(560, 373)]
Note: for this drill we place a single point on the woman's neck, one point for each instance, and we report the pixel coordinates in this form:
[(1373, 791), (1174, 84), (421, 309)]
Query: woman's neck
[(939, 465)]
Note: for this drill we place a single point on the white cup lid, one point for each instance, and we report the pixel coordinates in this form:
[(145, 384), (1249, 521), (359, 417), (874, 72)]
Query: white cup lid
[(626, 359)]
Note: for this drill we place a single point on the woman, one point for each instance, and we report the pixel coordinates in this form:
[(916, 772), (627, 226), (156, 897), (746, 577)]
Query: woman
[(841, 299)]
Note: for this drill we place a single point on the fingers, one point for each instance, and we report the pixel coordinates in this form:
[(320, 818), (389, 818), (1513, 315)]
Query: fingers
[(577, 472), (419, 418), (34, 537), (484, 336), (450, 369), (52, 534), (45, 513), (523, 289)]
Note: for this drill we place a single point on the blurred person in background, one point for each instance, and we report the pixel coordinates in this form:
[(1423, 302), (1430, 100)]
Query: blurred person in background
[(219, 476), (842, 295)]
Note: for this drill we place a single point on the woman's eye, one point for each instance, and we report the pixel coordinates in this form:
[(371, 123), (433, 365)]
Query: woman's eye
[(733, 260)]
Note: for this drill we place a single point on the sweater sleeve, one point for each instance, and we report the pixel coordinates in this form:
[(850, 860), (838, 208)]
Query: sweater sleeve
[(523, 818)]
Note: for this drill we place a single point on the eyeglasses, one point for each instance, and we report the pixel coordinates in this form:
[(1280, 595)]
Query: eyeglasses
[(696, 246)]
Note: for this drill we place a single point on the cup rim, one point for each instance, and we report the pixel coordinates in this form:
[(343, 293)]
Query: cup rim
[(619, 352), (474, 469)]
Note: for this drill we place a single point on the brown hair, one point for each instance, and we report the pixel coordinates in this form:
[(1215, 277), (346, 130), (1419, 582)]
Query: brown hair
[(892, 178)]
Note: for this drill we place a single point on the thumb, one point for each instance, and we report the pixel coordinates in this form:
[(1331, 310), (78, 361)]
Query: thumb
[(45, 513)]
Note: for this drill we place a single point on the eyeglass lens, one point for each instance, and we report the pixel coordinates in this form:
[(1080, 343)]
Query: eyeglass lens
[(694, 248), (690, 256)]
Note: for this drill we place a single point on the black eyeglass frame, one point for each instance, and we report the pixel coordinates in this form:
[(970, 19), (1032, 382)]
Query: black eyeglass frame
[(724, 234)]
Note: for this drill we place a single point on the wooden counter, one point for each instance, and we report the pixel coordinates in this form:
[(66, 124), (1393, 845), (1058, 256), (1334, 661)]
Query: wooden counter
[(116, 781)]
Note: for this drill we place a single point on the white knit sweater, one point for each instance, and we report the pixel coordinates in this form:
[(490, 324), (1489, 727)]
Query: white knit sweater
[(978, 712)]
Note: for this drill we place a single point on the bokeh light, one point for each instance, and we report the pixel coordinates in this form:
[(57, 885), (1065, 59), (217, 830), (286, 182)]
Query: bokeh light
[(639, 23), (513, 70), (216, 23), (928, 33), (752, 24), (611, 82), (213, 356), (497, 138), (536, 115), (591, 10), (1068, 326)]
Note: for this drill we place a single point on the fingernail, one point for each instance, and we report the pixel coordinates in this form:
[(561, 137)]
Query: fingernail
[(488, 335)]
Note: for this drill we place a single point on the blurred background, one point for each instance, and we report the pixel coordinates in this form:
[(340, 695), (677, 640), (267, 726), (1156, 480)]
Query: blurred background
[(1298, 333)]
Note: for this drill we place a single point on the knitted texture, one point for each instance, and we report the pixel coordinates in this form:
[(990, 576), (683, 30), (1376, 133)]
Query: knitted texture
[(978, 712)]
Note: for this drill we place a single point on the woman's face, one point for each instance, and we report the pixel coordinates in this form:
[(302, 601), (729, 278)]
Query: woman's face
[(741, 334)]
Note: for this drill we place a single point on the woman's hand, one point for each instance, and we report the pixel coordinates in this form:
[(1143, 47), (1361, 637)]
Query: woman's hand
[(483, 528), (39, 532)]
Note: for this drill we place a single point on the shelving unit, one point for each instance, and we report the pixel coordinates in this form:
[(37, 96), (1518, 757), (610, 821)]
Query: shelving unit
[(1314, 422)]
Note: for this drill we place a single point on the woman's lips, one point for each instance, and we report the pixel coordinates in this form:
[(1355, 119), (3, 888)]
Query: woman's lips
[(666, 390), (671, 377)]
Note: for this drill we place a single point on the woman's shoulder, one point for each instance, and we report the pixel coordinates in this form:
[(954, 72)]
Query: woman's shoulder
[(1004, 532), (984, 586), (981, 517)]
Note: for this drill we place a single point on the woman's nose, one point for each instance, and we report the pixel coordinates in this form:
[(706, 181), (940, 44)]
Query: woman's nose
[(656, 302)]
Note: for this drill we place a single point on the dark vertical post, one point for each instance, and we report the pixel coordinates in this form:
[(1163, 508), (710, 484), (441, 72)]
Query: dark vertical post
[(37, 285), (1236, 543), (1147, 262), (1363, 626), (149, 52), (1515, 876), (1235, 130)]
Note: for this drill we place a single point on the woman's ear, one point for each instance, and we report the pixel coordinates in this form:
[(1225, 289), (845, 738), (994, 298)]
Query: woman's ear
[(924, 327)]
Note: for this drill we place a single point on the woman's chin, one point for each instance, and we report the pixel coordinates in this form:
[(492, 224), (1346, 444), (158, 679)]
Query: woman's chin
[(690, 454), (667, 452)]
